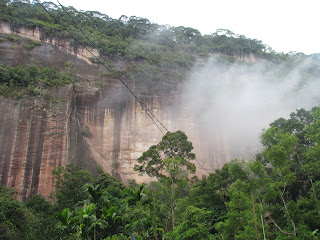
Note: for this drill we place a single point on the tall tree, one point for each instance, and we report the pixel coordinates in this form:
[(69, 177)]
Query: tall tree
[(170, 162)]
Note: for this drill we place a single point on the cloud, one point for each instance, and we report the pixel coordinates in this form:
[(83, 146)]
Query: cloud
[(231, 102)]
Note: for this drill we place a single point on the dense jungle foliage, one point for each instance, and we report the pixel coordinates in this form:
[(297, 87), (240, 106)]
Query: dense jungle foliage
[(274, 196)]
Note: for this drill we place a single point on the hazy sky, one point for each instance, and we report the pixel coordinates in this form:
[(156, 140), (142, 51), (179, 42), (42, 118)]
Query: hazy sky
[(285, 25)]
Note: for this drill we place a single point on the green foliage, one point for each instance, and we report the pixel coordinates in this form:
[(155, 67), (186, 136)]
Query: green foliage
[(15, 221), (32, 44), (170, 163), (99, 169), (65, 226), (138, 220), (196, 225), (69, 182), (43, 221), (16, 81), (69, 64), (177, 156), (123, 237), (112, 189), (94, 218), (48, 27), (13, 38), (38, 204), (279, 187), (239, 223), (86, 131), (136, 196), (208, 194), (94, 213)]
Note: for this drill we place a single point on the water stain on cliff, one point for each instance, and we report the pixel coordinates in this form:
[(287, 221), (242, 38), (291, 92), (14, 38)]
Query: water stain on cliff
[(39, 136)]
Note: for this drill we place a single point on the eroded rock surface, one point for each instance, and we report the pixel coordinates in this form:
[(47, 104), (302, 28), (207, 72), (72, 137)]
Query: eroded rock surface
[(95, 121)]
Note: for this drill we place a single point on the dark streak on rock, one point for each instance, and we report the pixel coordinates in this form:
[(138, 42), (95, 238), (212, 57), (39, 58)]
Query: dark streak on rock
[(34, 154)]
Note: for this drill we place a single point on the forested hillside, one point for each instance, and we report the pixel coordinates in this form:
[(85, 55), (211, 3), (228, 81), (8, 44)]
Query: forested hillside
[(113, 36), (157, 52), (156, 44), (71, 112)]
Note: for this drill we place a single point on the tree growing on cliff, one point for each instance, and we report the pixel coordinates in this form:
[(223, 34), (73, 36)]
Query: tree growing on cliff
[(169, 162)]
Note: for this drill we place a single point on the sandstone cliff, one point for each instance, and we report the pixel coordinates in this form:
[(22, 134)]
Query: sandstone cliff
[(95, 121)]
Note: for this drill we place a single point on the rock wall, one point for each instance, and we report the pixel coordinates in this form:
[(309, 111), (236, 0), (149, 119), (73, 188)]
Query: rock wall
[(34, 137), (121, 131), (37, 134), (96, 121), (38, 35)]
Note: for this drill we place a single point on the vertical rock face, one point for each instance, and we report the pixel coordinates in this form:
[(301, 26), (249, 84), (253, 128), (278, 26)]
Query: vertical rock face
[(36, 133), (89, 125), (34, 141), (120, 129)]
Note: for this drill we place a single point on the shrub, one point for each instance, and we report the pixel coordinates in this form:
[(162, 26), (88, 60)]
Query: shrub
[(86, 131), (12, 38), (32, 44), (18, 79)]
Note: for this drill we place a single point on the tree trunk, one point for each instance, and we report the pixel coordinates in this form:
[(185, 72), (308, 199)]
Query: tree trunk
[(315, 195), (254, 214), (173, 205), (264, 233), (262, 222), (285, 206)]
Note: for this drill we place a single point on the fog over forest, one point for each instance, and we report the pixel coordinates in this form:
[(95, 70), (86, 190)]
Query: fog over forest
[(237, 100)]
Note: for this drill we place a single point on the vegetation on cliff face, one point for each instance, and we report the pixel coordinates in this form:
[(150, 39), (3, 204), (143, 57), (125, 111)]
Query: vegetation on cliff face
[(274, 196), (30, 79)]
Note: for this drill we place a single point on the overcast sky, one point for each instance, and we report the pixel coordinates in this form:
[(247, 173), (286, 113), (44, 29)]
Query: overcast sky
[(285, 25)]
